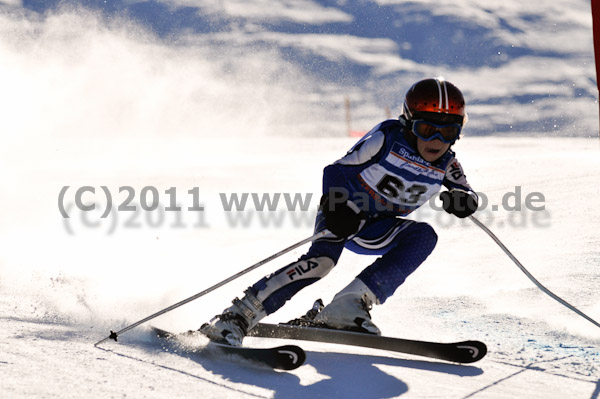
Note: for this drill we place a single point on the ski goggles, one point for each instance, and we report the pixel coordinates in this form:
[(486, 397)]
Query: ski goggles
[(428, 131)]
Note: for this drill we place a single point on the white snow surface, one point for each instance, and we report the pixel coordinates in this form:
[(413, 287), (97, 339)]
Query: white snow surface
[(65, 286), (524, 69), (93, 102)]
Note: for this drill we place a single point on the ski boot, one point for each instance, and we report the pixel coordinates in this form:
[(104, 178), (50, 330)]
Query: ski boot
[(232, 325), (349, 310)]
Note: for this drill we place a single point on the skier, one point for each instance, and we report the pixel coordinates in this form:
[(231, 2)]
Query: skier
[(390, 172)]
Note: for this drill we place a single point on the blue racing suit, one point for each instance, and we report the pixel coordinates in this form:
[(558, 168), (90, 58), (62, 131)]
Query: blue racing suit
[(384, 175)]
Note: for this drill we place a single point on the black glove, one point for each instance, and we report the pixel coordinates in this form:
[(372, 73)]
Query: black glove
[(341, 218), (458, 202)]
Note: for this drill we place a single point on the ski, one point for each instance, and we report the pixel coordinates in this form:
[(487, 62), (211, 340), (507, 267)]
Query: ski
[(286, 357), (459, 352)]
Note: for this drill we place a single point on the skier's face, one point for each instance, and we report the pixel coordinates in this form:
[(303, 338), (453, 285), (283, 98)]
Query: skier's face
[(431, 150)]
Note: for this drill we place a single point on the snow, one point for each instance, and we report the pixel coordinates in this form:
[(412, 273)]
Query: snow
[(62, 292), (523, 68), (95, 101), (299, 11)]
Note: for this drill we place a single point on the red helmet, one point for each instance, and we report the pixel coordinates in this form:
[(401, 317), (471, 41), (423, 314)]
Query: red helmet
[(436, 100)]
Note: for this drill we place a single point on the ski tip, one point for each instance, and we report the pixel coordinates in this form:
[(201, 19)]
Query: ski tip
[(286, 357), (471, 351), (294, 356), (160, 333)]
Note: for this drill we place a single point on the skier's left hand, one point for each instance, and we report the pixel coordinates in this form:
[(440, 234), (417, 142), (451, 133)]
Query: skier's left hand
[(458, 202)]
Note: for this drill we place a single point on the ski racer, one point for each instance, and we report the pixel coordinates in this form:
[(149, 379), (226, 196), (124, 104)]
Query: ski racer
[(393, 170)]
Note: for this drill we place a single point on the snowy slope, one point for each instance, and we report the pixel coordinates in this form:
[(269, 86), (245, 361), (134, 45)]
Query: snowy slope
[(524, 68), (62, 292), (231, 99)]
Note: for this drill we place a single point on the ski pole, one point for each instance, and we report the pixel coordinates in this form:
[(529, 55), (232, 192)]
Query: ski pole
[(114, 335), (530, 276)]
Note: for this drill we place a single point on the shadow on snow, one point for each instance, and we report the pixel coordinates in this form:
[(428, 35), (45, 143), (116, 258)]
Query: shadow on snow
[(337, 374)]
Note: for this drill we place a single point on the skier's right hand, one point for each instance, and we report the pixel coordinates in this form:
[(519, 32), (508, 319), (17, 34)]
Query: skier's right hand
[(341, 218)]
